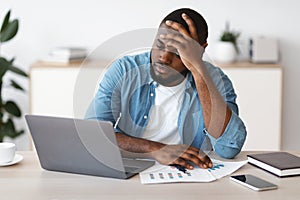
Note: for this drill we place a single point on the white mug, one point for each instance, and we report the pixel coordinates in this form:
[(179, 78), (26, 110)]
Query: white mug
[(7, 152)]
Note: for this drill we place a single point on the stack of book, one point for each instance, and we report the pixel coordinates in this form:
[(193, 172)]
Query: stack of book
[(281, 164), (66, 55)]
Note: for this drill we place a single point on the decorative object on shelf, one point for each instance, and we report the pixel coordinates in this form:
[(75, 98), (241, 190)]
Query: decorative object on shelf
[(226, 49), (8, 108), (65, 55), (264, 50)]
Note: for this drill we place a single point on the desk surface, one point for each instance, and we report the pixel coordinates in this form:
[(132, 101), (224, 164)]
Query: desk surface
[(27, 180)]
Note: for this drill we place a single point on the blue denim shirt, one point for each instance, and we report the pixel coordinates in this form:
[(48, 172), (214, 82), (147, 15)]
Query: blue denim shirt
[(127, 88)]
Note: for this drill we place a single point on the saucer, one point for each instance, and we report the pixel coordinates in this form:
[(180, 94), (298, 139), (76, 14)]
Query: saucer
[(16, 159)]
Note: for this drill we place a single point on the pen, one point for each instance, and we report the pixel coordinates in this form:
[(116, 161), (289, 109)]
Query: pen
[(179, 167)]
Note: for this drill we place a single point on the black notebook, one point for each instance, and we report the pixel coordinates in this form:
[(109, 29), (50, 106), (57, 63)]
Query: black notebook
[(279, 163)]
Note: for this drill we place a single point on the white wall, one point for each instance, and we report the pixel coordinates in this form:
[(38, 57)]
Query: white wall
[(47, 24)]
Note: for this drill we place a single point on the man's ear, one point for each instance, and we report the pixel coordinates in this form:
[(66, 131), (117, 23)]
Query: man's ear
[(204, 45)]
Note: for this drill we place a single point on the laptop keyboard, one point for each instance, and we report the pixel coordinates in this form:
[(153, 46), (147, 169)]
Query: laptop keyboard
[(130, 169)]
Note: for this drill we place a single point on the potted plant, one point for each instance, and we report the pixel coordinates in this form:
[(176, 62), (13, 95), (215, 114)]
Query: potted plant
[(8, 108), (227, 49)]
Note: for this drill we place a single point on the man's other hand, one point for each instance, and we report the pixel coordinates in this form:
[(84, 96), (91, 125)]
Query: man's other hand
[(183, 155)]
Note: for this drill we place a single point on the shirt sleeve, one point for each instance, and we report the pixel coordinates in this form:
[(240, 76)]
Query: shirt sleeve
[(106, 103), (230, 143), (232, 140)]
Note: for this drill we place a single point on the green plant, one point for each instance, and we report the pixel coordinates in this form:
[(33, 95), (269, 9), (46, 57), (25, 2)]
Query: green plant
[(230, 36), (9, 109)]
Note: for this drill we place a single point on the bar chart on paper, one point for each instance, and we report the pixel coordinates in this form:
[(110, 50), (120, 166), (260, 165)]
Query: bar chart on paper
[(216, 166), (167, 174)]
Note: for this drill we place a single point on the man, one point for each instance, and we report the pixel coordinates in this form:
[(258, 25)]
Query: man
[(169, 104)]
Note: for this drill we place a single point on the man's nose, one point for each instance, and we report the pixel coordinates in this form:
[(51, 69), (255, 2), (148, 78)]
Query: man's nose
[(166, 57)]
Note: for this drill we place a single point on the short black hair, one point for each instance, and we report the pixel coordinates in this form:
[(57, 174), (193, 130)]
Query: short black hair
[(199, 21)]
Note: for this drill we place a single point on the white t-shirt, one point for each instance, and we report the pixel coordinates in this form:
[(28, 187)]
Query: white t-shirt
[(162, 125)]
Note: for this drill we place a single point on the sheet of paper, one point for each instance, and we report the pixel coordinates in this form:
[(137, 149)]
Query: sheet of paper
[(166, 174), (221, 169)]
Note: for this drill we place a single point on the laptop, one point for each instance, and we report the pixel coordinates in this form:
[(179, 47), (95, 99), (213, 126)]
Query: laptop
[(82, 147)]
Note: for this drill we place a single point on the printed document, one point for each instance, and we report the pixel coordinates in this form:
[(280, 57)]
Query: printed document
[(168, 174)]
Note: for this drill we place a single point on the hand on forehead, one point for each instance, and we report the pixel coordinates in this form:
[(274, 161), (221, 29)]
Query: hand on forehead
[(172, 27)]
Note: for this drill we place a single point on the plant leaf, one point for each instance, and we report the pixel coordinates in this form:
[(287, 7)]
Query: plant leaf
[(16, 85), (231, 36), (12, 108), (12, 60), (14, 133), (17, 71), (10, 31), (17, 133), (3, 66), (5, 21), (8, 127), (7, 65)]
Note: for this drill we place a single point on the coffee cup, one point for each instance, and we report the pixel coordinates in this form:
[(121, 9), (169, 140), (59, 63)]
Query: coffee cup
[(7, 152)]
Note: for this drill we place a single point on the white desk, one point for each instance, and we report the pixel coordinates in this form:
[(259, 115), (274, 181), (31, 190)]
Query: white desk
[(27, 180)]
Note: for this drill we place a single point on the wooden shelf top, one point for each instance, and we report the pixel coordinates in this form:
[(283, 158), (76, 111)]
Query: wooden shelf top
[(238, 64), (247, 64), (78, 64)]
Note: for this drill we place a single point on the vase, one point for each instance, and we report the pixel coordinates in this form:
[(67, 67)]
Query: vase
[(225, 52)]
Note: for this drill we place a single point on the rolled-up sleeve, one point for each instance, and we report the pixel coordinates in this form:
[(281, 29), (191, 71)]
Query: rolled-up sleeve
[(232, 140)]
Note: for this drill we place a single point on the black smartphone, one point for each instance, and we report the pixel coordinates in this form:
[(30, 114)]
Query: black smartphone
[(253, 182)]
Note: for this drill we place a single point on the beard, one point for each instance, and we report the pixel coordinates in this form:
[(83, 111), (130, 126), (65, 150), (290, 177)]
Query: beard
[(167, 81)]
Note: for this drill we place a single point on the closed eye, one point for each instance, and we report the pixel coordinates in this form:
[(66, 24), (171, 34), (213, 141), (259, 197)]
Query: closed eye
[(161, 46)]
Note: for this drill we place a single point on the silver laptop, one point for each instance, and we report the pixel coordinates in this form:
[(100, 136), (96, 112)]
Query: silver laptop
[(81, 146)]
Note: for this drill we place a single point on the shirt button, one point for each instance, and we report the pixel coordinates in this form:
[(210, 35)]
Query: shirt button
[(145, 117), (151, 94)]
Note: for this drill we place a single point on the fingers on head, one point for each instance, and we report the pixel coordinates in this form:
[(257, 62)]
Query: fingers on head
[(192, 27), (178, 27)]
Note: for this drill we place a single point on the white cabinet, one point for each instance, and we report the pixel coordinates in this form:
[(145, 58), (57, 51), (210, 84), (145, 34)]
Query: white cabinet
[(52, 90), (259, 90), (63, 90)]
